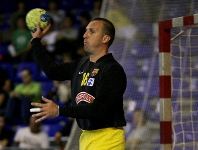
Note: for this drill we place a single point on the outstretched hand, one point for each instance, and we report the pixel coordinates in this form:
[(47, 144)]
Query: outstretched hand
[(40, 33), (48, 110)]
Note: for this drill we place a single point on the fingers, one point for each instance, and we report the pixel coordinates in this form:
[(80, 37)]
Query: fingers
[(36, 104), (38, 29), (41, 119), (47, 28), (42, 115), (45, 99)]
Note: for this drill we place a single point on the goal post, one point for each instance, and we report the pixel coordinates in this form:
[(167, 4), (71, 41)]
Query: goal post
[(177, 55)]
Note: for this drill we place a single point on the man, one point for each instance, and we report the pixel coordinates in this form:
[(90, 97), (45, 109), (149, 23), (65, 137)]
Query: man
[(97, 86), (141, 135), (21, 97), (31, 137)]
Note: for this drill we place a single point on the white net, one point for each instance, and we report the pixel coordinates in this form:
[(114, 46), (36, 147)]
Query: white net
[(185, 87)]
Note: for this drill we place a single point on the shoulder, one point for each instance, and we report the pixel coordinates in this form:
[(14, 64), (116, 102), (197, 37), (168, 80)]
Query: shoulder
[(36, 84), (20, 85), (23, 130)]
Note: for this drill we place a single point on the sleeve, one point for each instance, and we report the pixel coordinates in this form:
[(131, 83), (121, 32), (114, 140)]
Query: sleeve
[(53, 70), (45, 141), (109, 97)]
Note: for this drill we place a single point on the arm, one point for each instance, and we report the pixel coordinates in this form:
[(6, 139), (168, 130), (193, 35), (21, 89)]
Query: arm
[(53, 70), (108, 98)]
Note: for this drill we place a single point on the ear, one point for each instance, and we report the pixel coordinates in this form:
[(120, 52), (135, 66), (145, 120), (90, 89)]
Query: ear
[(106, 38)]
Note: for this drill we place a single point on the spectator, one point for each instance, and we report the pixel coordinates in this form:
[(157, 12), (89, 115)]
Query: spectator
[(95, 13), (31, 137), (5, 87), (6, 134), (141, 134), (23, 94), (55, 13), (67, 36), (65, 131), (20, 45), (21, 11), (68, 31)]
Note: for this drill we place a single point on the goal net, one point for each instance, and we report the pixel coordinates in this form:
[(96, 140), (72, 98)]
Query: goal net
[(178, 47)]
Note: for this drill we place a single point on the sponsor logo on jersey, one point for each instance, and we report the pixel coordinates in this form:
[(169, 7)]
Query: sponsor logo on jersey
[(90, 82), (94, 72), (84, 96)]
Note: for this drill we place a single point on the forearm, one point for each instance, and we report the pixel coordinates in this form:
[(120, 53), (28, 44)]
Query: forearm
[(92, 110), (4, 142), (51, 69)]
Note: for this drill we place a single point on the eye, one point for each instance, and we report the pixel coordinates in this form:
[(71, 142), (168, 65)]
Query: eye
[(92, 31)]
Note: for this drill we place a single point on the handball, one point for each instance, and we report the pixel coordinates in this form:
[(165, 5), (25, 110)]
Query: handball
[(37, 15)]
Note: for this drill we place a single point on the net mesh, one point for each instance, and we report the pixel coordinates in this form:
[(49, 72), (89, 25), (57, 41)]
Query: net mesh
[(184, 87)]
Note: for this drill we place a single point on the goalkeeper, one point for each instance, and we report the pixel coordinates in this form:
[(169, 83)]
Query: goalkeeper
[(97, 85)]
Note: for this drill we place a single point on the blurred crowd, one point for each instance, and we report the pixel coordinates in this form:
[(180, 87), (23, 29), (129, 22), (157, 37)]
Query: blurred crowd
[(19, 86)]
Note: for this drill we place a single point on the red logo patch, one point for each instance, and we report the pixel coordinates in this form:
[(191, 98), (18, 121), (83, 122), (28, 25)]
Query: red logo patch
[(83, 96)]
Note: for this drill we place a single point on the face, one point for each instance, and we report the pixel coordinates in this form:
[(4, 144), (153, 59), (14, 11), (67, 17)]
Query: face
[(34, 127), (93, 37), (67, 22), (21, 23), (26, 76)]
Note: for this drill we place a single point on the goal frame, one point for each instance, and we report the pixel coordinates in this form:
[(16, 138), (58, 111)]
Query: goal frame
[(165, 89)]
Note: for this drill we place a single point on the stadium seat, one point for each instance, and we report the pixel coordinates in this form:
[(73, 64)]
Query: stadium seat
[(149, 86), (55, 120), (51, 129), (46, 87), (3, 49), (149, 67), (10, 69), (117, 48), (141, 50), (5, 25), (68, 5), (27, 65), (130, 67), (174, 9), (87, 4), (131, 90), (146, 28), (42, 76), (43, 4)]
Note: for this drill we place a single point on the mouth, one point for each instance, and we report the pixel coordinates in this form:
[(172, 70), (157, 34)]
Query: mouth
[(85, 42)]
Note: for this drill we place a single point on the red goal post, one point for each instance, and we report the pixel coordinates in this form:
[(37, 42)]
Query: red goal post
[(165, 80)]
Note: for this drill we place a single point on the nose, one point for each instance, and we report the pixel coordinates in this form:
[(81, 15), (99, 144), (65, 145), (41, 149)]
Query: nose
[(85, 35)]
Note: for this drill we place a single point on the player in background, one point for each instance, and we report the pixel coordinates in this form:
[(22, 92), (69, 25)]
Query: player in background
[(98, 83)]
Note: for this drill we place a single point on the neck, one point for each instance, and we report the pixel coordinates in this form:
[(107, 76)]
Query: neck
[(98, 53), (95, 57)]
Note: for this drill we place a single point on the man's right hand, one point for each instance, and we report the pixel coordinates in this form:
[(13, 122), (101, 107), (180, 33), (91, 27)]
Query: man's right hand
[(39, 33)]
